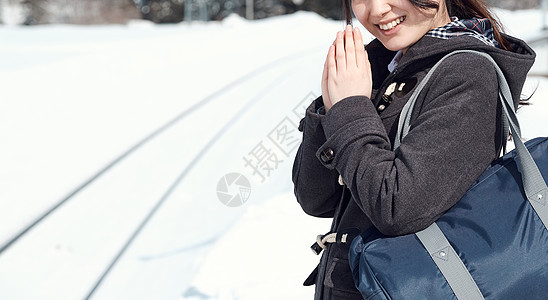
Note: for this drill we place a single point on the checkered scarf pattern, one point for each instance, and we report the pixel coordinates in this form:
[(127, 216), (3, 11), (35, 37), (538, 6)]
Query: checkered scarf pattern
[(478, 28)]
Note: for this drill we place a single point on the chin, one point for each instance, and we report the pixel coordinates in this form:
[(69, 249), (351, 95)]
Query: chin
[(395, 46)]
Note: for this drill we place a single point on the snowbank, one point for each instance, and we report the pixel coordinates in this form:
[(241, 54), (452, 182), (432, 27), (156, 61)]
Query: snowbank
[(76, 98)]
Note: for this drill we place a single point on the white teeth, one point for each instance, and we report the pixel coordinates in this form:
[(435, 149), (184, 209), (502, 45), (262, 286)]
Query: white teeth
[(391, 25)]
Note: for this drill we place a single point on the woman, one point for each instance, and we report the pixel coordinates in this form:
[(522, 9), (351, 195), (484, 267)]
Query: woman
[(345, 168)]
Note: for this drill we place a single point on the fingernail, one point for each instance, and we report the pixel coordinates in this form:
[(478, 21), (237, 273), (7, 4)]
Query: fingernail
[(349, 27)]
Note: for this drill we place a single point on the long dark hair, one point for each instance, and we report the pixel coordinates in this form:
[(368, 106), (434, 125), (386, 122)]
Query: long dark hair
[(462, 9)]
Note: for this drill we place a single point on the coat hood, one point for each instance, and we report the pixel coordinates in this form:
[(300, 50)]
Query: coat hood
[(515, 62)]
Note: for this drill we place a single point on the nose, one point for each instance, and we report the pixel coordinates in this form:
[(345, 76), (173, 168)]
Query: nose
[(380, 8)]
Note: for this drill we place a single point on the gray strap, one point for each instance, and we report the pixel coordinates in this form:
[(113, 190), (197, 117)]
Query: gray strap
[(533, 182), (534, 185), (449, 263), (407, 110), (432, 238), (404, 123)]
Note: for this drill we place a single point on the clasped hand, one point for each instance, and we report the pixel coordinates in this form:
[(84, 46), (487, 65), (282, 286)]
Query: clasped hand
[(346, 71)]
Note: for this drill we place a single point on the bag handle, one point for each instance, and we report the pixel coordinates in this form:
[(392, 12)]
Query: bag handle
[(533, 182), (432, 238)]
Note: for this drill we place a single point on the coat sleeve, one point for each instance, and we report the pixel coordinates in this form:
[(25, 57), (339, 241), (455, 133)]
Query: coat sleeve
[(451, 142), (316, 187)]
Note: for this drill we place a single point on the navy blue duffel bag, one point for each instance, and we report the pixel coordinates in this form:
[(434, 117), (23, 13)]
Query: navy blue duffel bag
[(493, 244)]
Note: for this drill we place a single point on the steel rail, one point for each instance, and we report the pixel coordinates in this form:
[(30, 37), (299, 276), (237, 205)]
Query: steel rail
[(246, 77), (255, 99)]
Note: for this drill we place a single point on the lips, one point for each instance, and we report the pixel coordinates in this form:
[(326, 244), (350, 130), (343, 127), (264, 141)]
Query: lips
[(391, 25)]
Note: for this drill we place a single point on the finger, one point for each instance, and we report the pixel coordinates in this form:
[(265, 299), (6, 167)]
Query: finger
[(331, 75), (331, 63), (349, 47), (340, 56), (361, 55), (325, 90), (324, 73)]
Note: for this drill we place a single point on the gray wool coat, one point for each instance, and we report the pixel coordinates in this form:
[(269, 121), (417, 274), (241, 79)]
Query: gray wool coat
[(455, 134)]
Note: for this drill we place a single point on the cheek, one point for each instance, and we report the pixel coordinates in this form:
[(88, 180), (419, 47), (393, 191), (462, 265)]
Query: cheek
[(359, 10), (361, 14), (371, 29)]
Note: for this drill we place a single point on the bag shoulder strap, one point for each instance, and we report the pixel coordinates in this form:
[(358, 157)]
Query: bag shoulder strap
[(534, 185), (444, 255)]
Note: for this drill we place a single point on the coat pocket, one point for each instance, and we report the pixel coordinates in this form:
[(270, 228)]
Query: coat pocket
[(339, 277)]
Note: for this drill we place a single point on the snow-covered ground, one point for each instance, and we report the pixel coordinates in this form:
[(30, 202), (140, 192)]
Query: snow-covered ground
[(141, 128)]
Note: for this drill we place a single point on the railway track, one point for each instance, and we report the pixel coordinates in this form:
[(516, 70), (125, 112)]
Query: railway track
[(148, 138)]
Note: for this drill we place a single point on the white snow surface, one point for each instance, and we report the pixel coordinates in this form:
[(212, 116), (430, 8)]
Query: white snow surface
[(74, 99)]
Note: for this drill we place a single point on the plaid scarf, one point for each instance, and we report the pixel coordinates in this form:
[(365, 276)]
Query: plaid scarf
[(478, 28)]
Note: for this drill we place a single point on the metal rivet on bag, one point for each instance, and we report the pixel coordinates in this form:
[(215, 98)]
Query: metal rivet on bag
[(442, 253), (539, 196)]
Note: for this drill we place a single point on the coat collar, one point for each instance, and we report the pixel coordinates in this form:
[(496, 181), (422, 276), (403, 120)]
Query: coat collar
[(515, 63)]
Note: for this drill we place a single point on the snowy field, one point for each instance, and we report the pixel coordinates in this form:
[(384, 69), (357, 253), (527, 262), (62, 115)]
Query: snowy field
[(136, 137)]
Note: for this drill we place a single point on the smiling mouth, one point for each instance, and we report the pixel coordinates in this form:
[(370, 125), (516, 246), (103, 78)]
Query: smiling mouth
[(391, 25)]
